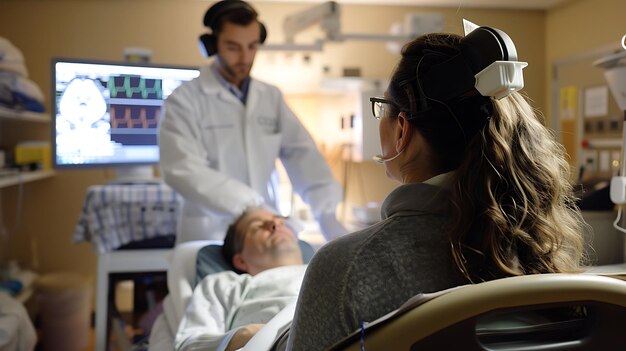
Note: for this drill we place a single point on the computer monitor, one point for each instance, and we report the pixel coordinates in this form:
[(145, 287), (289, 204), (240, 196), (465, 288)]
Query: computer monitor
[(106, 114)]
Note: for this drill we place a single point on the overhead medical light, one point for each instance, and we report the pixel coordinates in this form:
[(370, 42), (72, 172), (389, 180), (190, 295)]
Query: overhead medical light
[(327, 15)]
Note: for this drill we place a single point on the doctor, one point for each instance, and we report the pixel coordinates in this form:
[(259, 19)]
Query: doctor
[(222, 132)]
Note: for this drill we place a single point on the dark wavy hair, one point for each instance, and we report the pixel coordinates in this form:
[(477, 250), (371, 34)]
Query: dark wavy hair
[(514, 208)]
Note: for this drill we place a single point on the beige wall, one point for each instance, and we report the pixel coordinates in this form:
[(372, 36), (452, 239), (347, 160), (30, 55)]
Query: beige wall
[(583, 25), (102, 29), (577, 30)]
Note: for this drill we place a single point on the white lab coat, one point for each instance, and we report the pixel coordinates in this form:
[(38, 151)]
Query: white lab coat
[(219, 154)]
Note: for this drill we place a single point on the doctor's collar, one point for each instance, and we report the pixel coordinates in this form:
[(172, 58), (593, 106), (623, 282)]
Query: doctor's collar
[(241, 94)]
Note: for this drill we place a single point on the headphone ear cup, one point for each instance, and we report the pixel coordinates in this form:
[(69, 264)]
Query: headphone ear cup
[(263, 32), (485, 45), (208, 45)]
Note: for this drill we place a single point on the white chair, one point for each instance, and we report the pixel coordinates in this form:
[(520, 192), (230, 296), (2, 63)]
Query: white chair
[(181, 275), (506, 314)]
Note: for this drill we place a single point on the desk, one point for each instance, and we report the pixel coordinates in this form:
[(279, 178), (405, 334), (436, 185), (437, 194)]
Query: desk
[(119, 214)]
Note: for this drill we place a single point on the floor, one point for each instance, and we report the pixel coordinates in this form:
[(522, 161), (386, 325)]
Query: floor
[(91, 346)]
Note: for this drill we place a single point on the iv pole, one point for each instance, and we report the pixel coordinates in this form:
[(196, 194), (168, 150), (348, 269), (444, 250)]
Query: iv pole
[(615, 75)]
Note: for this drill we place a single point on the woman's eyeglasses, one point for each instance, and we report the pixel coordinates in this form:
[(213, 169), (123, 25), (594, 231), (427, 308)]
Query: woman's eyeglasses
[(378, 106)]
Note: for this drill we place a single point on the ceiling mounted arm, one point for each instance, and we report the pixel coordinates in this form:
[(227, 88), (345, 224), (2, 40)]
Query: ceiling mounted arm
[(328, 16)]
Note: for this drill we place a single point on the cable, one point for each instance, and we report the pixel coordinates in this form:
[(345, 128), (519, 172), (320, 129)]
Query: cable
[(615, 224), (622, 173), (362, 335), (424, 104)]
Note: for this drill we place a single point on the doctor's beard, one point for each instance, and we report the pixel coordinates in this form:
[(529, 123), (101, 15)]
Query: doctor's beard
[(237, 72)]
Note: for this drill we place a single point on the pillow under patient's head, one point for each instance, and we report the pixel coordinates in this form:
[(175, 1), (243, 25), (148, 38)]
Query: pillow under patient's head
[(211, 260)]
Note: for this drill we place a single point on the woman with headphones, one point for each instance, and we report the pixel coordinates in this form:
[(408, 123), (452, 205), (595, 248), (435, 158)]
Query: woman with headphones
[(484, 192)]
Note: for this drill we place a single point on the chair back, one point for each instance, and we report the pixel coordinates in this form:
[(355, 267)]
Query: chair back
[(534, 312)]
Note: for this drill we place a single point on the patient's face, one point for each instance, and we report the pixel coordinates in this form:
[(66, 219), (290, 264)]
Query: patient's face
[(267, 243)]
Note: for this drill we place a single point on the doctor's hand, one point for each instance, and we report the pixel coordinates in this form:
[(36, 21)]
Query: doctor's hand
[(330, 226), (242, 336)]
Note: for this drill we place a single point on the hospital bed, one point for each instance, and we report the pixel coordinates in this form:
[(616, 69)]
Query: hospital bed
[(504, 314), (189, 262)]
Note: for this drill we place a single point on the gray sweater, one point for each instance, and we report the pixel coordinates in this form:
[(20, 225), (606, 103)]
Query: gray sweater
[(364, 275)]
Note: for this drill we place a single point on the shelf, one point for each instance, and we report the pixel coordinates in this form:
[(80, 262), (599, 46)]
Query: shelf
[(26, 116), (24, 177)]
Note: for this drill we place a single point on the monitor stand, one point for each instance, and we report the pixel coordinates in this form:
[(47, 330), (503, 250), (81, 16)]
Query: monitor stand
[(134, 174)]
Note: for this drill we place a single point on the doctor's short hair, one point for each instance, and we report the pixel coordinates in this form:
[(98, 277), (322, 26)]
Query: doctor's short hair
[(227, 12)]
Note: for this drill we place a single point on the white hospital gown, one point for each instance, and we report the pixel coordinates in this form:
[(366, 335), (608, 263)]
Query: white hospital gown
[(223, 302)]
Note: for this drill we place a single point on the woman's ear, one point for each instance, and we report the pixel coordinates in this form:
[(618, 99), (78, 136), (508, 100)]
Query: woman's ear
[(403, 131), (240, 263)]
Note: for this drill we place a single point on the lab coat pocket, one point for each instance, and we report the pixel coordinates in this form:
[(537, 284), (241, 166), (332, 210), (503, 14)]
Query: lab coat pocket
[(219, 138), (270, 143)]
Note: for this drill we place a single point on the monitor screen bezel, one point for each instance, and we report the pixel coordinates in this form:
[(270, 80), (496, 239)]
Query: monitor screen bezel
[(53, 106)]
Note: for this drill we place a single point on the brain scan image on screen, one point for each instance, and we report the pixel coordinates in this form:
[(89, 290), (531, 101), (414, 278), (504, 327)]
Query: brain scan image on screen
[(84, 119), (82, 104)]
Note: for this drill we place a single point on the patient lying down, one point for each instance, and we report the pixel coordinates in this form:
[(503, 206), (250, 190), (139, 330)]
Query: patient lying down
[(227, 309)]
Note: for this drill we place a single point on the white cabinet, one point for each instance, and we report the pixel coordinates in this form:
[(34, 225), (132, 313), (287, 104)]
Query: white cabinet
[(346, 116), (9, 118)]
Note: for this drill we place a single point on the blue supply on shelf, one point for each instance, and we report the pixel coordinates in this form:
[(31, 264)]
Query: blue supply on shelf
[(20, 93), (13, 286)]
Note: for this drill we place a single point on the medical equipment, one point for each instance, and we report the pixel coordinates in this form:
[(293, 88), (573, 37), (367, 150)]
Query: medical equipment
[(107, 113), (615, 75), (328, 16), (487, 62)]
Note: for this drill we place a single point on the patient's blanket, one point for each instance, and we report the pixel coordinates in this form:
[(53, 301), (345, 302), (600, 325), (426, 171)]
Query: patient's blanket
[(223, 302)]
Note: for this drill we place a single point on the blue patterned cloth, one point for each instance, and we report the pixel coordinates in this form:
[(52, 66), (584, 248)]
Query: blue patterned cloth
[(117, 214)]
